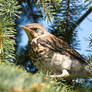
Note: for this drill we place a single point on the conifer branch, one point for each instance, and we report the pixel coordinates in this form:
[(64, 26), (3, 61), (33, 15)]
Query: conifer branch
[(82, 18)]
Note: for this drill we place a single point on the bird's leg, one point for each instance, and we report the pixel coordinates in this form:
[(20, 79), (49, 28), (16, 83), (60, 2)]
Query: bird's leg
[(64, 74)]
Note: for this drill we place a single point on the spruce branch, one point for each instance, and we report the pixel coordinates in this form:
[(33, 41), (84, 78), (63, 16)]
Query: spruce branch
[(82, 18)]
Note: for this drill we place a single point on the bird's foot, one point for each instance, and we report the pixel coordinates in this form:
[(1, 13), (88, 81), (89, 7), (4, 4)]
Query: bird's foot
[(63, 75)]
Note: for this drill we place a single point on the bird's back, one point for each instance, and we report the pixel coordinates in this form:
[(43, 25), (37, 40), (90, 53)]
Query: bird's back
[(47, 46), (60, 46)]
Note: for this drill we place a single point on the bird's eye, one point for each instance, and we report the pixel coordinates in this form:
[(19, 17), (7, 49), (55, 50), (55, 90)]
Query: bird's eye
[(33, 29)]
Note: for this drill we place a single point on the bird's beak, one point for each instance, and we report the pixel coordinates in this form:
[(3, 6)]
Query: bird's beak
[(24, 28), (27, 30), (30, 33)]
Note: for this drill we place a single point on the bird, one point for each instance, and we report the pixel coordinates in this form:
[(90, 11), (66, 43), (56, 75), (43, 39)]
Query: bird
[(49, 53)]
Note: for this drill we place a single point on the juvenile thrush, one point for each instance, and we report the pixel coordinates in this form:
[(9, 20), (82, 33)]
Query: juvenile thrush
[(52, 54)]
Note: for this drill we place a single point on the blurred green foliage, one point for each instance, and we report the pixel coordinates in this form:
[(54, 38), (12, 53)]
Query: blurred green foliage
[(15, 79)]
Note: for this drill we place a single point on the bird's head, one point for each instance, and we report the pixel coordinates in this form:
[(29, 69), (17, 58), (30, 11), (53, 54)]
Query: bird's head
[(34, 30)]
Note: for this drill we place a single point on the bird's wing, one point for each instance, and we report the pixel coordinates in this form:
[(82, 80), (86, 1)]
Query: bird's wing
[(58, 45)]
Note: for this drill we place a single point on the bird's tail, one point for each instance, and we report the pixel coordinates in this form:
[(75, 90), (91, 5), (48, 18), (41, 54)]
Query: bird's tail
[(88, 70)]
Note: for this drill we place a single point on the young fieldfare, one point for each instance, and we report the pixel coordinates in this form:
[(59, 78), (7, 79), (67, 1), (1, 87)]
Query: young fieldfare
[(52, 54)]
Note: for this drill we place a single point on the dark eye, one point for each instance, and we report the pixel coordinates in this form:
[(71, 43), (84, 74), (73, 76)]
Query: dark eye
[(33, 29)]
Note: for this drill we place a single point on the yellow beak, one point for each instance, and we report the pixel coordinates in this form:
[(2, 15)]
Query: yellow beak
[(31, 34), (25, 28)]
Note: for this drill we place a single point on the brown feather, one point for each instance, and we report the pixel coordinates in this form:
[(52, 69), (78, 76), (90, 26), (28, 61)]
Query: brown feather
[(58, 44)]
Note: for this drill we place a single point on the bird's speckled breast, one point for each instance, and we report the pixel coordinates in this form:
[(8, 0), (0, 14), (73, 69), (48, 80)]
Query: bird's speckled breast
[(47, 59), (40, 56)]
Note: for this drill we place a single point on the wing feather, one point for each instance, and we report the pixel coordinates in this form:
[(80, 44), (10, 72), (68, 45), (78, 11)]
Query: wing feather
[(58, 45)]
